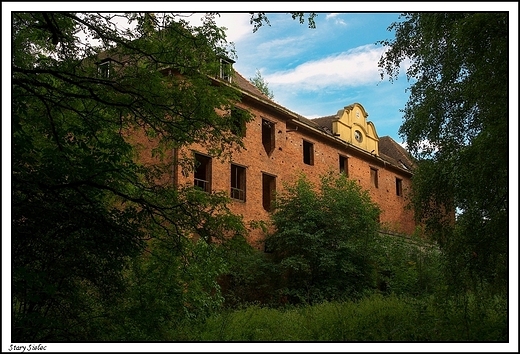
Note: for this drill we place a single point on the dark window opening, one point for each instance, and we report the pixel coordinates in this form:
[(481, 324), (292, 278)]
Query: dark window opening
[(343, 165), (238, 182), (268, 136), (398, 187), (202, 175), (308, 153), (105, 69), (239, 124), (374, 177), (268, 191)]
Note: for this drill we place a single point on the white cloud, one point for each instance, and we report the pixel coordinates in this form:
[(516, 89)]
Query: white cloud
[(354, 67), (332, 15), (237, 24), (282, 47), (337, 20)]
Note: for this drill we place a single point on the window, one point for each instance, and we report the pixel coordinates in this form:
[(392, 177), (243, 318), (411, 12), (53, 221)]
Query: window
[(268, 190), (105, 68), (268, 136), (373, 177), (225, 70), (202, 175), (239, 125), (398, 187), (308, 153), (343, 165), (238, 182), (358, 136)]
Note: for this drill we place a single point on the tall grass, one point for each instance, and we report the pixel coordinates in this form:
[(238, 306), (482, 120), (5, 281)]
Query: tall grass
[(374, 318)]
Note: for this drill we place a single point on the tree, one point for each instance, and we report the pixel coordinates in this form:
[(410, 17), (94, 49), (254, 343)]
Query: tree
[(456, 124), (324, 241), (260, 84), (83, 204), (259, 19)]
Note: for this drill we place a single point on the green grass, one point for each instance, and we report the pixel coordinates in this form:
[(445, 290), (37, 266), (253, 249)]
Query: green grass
[(374, 318)]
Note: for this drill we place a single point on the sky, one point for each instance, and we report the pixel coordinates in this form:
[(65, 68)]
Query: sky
[(317, 72), (312, 72)]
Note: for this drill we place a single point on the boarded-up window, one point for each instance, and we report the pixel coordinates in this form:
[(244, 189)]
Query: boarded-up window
[(373, 177)]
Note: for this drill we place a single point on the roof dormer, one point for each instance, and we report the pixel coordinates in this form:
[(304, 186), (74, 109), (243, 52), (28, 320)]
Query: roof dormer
[(225, 69)]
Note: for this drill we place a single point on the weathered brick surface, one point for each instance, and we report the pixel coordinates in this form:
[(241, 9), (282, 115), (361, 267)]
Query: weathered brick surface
[(286, 162)]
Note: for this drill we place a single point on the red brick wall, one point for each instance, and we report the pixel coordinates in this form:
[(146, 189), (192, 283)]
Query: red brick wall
[(286, 162)]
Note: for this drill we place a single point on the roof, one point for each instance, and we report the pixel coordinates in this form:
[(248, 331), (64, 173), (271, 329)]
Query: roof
[(395, 153), (247, 86), (389, 150)]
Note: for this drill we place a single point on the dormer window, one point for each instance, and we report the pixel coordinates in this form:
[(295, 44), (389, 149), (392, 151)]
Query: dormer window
[(105, 68), (225, 69)]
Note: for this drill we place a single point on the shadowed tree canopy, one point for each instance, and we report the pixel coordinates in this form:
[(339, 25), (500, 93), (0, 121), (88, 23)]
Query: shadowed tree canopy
[(456, 124), (82, 204), (84, 86)]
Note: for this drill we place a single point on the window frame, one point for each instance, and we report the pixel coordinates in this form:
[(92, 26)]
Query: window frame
[(399, 187), (225, 70), (343, 164), (104, 68), (206, 161), (238, 180)]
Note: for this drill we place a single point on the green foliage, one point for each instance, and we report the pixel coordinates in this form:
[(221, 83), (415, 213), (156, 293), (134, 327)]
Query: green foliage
[(456, 123), (251, 276), (259, 19), (260, 84), (409, 266), (166, 289), (371, 319), (82, 203), (324, 239)]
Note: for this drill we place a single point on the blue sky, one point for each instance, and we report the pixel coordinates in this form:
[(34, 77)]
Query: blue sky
[(316, 72)]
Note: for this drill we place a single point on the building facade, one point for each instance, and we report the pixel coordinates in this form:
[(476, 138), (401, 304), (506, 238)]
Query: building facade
[(280, 145)]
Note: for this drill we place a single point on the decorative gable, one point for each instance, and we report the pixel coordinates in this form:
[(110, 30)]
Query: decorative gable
[(351, 125)]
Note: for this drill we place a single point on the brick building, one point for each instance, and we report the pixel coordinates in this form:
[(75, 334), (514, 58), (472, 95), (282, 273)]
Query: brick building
[(280, 144)]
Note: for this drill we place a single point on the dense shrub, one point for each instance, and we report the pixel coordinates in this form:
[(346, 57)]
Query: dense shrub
[(372, 319), (165, 289), (251, 276), (409, 266), (324, 241)]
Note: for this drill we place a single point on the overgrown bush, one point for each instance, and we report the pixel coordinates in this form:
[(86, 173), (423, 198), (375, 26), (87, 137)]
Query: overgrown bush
[(409, 266), (164, 290), (372, 319), (251, 276), (324, 241)]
